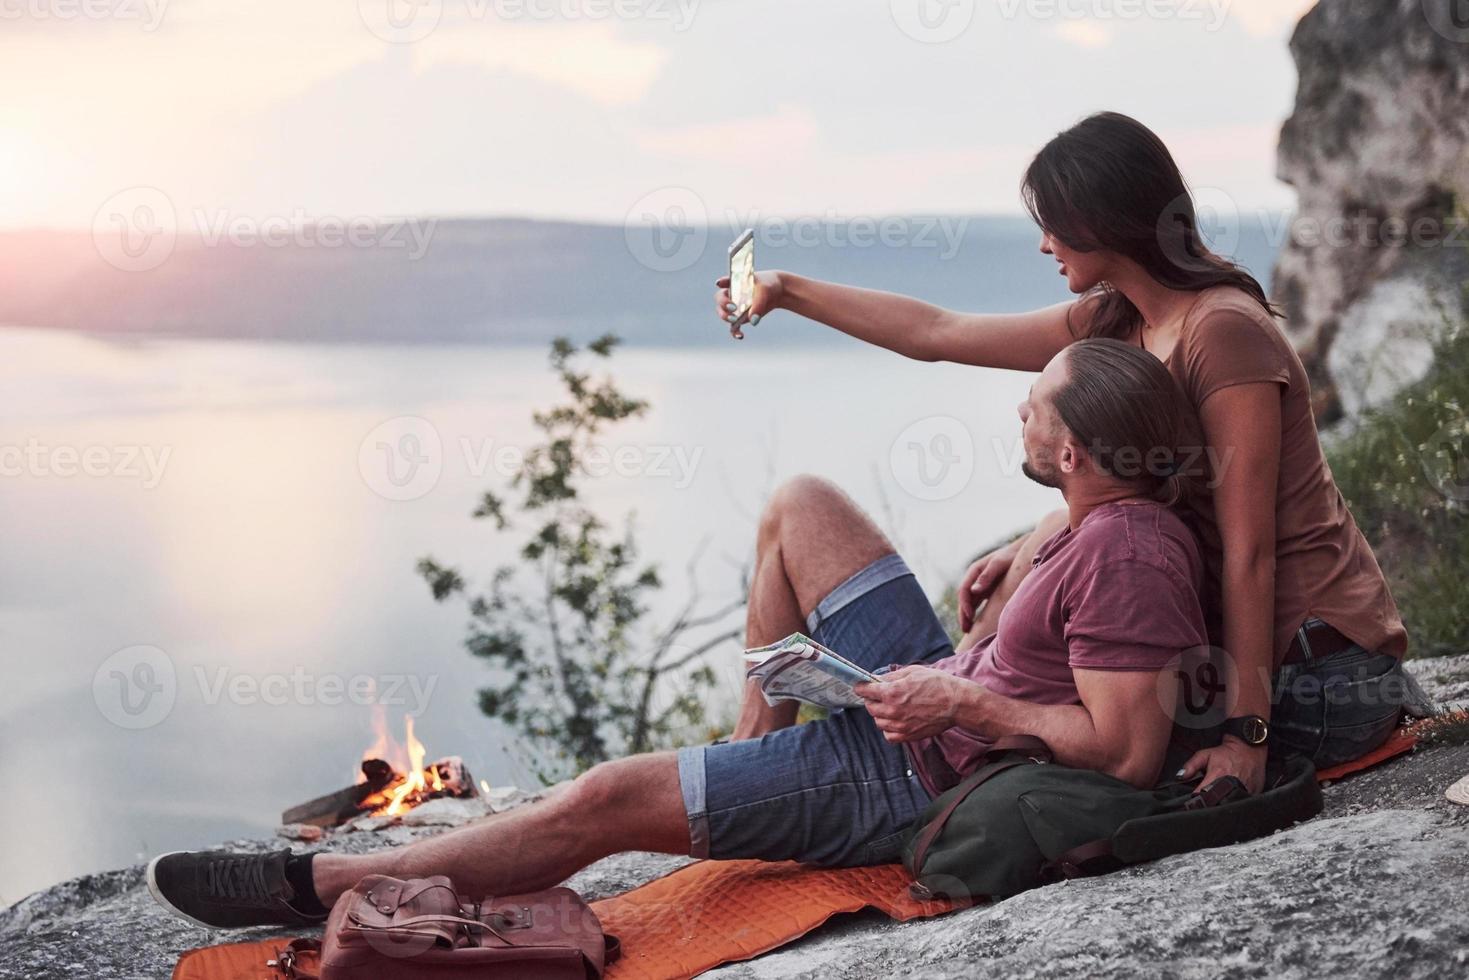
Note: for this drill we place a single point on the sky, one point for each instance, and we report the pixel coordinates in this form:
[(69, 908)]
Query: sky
[(583, 109)]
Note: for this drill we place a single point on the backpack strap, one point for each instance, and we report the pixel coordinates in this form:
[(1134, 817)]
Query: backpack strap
[(288, 960), (1007, 753)]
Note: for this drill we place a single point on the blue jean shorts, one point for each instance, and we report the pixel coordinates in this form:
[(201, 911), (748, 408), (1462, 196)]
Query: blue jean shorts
[(1337, 708), (831, 792)]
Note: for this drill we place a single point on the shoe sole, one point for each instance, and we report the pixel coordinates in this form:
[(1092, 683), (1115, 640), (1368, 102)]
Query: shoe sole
[(157, 893)]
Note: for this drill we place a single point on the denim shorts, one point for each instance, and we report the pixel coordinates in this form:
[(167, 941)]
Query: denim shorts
[(831, 792), (1337, 708)]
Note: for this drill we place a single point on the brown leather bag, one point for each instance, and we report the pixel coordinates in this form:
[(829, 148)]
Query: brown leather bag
[(420, 929)]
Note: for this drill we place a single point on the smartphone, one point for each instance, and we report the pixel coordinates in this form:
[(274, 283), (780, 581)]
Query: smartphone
[(742, 273)]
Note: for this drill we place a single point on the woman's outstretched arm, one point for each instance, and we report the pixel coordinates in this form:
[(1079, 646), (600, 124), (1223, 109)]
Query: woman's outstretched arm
[(911, 327)]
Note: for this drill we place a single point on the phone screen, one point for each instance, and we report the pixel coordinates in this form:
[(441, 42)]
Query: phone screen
[(742, 272)]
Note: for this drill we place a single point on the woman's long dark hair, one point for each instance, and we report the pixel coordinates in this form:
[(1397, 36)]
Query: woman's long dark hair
[(1109, 183)]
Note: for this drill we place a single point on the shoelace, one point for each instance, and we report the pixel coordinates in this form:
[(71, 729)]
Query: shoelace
[(238, 878)]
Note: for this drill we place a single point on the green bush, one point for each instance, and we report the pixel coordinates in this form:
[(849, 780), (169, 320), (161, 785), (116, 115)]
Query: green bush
[(1404, 469)]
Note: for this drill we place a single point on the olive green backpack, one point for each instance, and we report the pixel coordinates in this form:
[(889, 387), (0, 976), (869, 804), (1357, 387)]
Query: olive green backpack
[(1021, 821)]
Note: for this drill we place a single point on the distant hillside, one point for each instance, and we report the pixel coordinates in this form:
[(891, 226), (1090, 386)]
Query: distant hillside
[(505, 281)]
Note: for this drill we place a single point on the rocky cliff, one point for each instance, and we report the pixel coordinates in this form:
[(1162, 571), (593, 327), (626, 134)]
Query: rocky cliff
[(1377, 149)]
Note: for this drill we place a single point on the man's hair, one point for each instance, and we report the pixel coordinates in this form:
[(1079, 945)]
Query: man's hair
[(1123, 406)]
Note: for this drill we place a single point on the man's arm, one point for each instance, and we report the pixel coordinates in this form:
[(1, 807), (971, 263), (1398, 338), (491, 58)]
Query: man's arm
[(1121, 726)]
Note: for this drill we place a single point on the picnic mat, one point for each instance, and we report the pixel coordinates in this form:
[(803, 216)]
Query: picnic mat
[(714, 912)]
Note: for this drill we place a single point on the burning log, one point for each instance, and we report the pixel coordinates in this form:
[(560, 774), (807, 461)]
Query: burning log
[(386, 792), (341, 806), (383, 790)]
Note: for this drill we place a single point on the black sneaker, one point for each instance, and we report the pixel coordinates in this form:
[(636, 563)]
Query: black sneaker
[(221, 890)]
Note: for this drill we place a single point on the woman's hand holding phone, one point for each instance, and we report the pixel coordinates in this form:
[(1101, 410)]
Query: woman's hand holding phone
[(767, 297)]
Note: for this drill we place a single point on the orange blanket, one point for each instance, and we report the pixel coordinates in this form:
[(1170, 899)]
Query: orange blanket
[(715, 912)]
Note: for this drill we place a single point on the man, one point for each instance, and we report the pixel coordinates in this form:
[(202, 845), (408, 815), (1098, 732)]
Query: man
[(1079, 659)]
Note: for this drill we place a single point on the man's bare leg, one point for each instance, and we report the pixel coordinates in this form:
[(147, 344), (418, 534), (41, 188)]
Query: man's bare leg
[(988, 620), (632, 804), (811, 539)]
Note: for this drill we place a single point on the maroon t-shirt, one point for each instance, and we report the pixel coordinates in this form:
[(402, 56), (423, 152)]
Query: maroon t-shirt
[(1120, 592)]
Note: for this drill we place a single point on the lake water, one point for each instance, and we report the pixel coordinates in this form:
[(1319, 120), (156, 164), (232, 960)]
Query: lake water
[(226, 506)]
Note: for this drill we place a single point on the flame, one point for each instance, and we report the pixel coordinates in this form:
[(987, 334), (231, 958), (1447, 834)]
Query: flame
[(384, 746), (416, 782)]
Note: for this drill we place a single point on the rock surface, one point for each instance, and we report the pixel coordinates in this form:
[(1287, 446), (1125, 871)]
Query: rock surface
[(1379, 135), (1373, 887)]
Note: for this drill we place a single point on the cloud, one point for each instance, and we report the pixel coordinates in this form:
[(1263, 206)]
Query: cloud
[(1267, 18), (790, 132), (589, 58)]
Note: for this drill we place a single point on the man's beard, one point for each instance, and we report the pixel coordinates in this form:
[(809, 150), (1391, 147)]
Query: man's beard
[(1044, 479)]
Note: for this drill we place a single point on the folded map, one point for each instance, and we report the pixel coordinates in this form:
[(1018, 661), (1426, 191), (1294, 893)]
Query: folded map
[(800, 669)]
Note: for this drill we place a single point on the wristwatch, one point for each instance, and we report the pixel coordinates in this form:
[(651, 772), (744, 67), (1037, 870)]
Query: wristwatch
[(1250, 729)]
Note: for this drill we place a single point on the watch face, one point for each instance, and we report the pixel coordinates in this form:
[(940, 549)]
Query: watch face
[(1255, 731)]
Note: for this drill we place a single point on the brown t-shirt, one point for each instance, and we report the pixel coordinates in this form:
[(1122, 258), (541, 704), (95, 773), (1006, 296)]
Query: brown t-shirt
[(1121, 592), (1324, 567)]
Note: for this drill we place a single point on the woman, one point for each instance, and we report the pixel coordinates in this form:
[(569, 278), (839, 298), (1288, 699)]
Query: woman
[(1301, 605)]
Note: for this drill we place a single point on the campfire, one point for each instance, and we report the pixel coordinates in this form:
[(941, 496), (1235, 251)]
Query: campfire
[(392, 779)]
